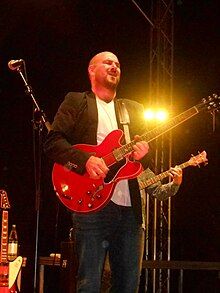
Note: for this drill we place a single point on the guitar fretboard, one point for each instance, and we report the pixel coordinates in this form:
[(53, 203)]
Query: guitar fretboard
[(4, 238)]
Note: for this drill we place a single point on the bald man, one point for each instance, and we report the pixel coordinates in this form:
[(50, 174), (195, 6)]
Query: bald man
[(116, 229)]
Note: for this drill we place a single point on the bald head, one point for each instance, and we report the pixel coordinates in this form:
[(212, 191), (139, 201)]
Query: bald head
[(101, 56)]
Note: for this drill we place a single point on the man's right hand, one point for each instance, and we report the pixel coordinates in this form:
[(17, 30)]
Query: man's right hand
[(96, 168)]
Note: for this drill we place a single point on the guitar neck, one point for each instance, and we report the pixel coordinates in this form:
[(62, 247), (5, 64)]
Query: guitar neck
[(4, 238), (144, 184), (121, 152)]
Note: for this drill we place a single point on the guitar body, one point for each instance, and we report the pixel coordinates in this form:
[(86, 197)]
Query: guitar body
[(14, 269), (8, 275), (82, 194), (6, 289), (4, 273), (8, 270)]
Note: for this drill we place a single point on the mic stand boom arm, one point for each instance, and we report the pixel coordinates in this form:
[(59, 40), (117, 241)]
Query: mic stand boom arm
[(29, 92)]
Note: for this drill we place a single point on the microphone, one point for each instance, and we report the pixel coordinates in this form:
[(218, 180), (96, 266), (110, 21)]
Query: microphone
[(15, 64)]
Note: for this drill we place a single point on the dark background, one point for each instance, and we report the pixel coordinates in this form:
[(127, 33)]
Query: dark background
[(57, 39)]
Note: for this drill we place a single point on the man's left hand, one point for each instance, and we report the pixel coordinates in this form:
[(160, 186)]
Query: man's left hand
[(141, 148), (177, 174)]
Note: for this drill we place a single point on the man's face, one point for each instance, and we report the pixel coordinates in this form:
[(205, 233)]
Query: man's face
[(106, 70)]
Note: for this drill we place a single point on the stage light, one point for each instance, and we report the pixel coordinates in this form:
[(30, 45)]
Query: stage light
[(161, 115), (149, 114), (156, 115)]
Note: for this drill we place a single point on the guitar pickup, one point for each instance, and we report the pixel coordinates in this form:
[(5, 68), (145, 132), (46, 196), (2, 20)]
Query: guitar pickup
[(117, 154)]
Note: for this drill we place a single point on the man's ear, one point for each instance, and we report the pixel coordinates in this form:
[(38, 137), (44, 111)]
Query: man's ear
[(91, 69)]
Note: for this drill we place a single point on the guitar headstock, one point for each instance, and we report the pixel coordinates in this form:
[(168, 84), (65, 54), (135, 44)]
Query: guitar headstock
[(199, 159), (4, 200), (211, 103)]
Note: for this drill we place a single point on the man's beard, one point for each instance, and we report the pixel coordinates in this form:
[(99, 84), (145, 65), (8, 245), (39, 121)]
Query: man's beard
[(111, 85)]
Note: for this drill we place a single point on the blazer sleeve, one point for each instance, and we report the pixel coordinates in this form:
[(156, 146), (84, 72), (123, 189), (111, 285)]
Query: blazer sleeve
[(58, 145)]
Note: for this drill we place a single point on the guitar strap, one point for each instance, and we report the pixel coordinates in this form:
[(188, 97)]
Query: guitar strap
[(124, 118), (125, 121)]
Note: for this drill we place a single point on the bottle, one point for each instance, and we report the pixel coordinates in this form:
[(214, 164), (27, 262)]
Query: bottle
[(13, 244)]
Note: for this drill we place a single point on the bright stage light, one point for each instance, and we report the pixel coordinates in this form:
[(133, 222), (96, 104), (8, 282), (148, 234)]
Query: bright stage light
[(149, 114), (159, 115)]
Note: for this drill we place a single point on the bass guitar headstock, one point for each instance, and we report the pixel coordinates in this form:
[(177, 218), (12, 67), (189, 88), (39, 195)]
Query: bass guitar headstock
[(199, 159)]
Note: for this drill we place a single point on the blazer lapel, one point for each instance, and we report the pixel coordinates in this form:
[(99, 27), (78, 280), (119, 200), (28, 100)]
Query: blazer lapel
[(93, 116)]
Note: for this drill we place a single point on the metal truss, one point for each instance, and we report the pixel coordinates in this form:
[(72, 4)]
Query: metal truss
[(158, 214), (161, 94)]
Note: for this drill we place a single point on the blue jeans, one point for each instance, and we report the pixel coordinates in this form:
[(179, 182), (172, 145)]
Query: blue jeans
[(113, 229)]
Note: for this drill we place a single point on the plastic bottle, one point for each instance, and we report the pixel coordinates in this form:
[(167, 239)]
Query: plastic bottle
[(13, 244)]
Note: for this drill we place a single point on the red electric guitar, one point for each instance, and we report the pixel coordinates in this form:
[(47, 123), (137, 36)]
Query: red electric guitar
[(8, 270), (82, 194), (193, 161)]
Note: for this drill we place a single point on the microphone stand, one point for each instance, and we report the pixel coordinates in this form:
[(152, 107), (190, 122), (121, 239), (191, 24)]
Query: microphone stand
[(39, 120)]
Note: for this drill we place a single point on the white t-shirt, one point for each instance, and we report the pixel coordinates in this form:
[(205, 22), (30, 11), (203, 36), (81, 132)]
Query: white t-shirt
[(107, 123)]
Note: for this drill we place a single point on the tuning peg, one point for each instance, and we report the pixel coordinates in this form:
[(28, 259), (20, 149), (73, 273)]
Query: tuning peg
[(196, 163), (216, 96), (200, 156)]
